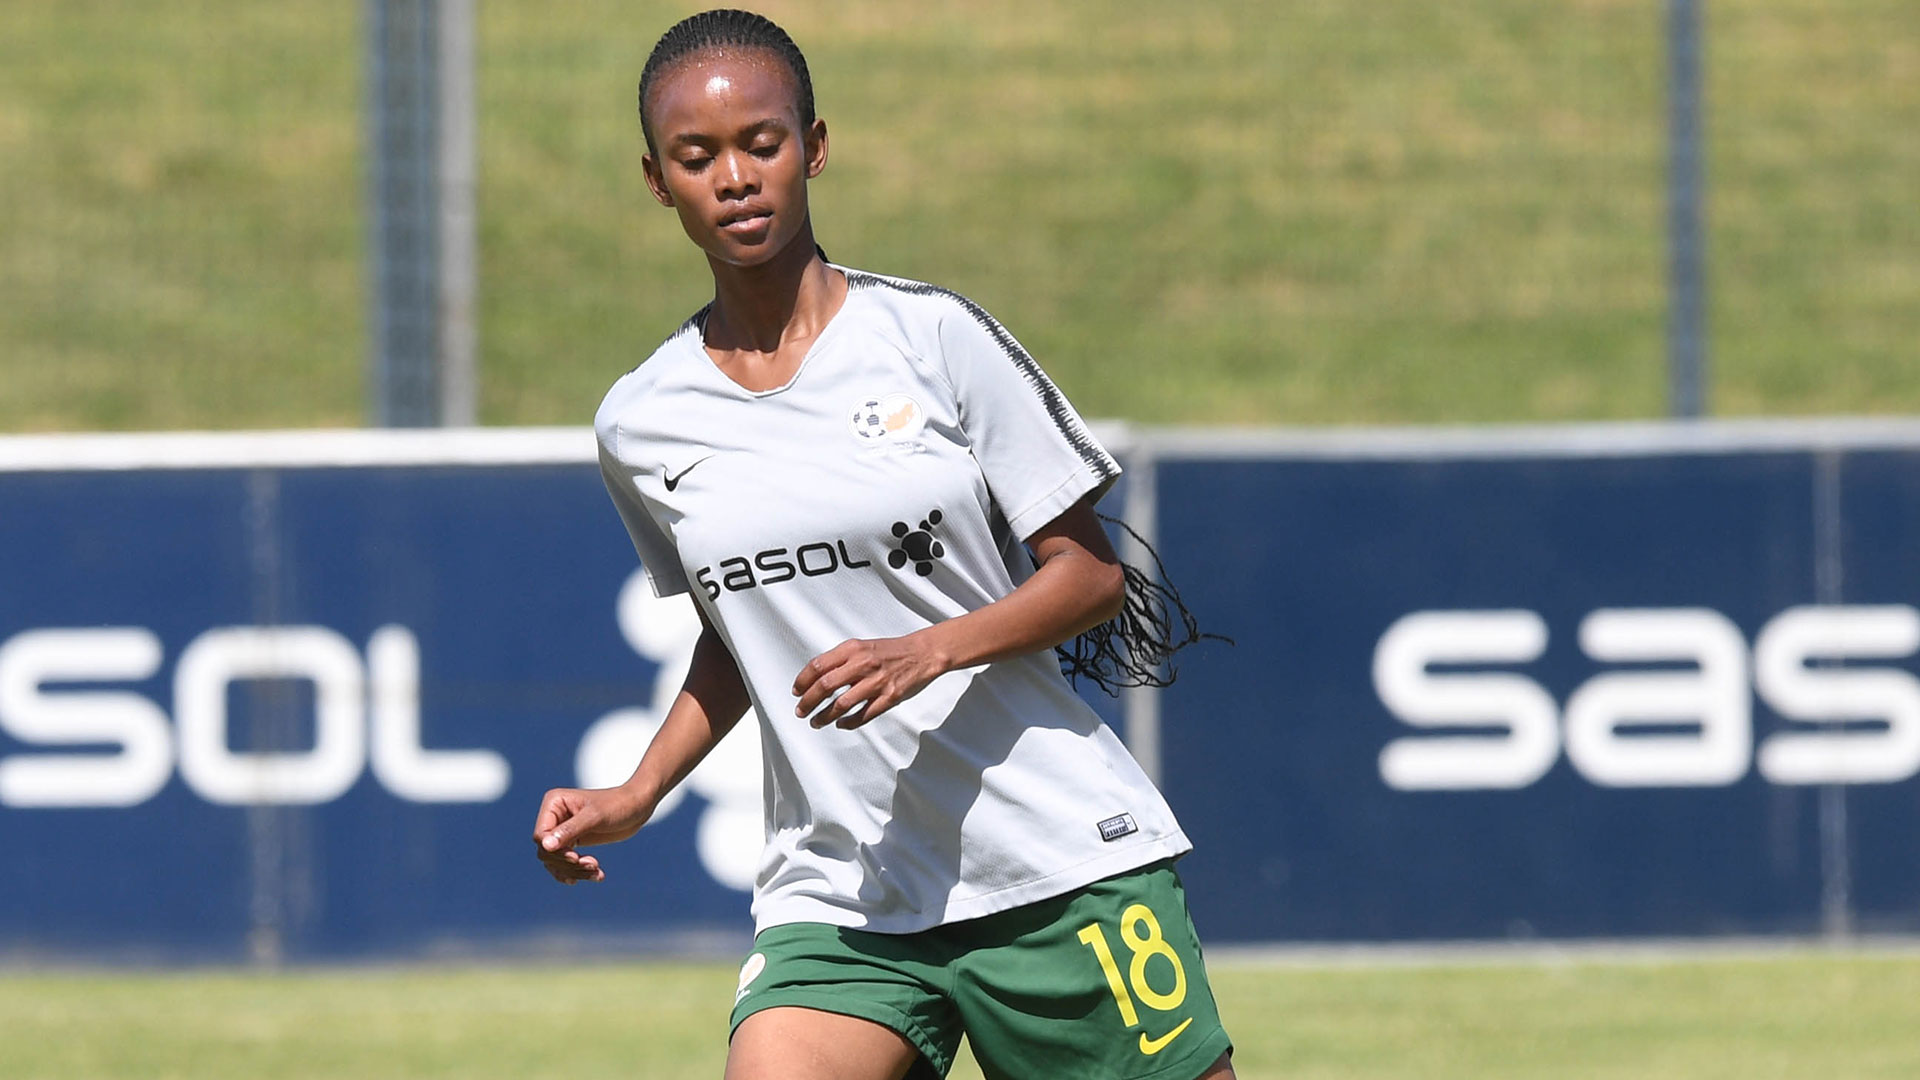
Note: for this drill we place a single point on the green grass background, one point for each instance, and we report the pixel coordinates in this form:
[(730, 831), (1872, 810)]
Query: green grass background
[(1212, 211), (1787, 1017)]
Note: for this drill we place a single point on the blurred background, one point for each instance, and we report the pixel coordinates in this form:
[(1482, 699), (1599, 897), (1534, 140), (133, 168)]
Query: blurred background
[(1211, 212), (1529, 389)]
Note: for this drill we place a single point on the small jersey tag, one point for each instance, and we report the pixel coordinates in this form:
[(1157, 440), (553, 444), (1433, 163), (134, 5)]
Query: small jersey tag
[(1117, 826)]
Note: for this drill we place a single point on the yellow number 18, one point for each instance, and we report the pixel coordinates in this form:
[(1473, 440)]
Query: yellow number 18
[(1144, 947)]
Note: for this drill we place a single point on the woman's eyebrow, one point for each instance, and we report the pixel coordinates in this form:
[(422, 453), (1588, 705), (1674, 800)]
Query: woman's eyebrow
[(771, 123), (694, 138)]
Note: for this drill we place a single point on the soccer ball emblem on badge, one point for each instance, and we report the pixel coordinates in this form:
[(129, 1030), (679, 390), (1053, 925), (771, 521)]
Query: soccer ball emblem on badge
[(894, 416), (867, 421)]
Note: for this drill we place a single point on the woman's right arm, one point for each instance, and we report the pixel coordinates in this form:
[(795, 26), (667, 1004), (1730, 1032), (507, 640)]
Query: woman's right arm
[(710, 703)]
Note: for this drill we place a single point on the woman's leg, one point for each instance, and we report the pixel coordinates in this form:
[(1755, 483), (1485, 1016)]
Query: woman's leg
[(793, 1043)]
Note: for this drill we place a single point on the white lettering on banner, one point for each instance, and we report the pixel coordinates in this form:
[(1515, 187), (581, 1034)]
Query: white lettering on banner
[(224, 656), (1710, 699), (1812, 695), (401, 763), (207, 668), (731, 832), (119, 718), (1511, 759)]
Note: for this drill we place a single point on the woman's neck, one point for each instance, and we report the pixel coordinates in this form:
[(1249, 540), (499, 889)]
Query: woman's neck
[(787, 298)]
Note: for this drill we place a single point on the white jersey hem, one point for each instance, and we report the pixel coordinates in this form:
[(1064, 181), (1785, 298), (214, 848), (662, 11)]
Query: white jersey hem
[(798, 909)]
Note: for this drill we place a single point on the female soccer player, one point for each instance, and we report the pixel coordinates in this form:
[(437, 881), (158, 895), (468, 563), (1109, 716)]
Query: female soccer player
[(843, 468)]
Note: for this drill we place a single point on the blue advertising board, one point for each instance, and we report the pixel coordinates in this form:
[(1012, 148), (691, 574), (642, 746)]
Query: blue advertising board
[(299, 697), (1546, 692), (262, 631)]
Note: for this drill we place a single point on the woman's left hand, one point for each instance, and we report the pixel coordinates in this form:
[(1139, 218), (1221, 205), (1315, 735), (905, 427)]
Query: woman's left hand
[(877, 674)]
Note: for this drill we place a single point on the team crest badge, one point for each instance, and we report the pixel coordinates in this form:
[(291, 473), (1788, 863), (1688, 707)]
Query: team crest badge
[(887, 419)]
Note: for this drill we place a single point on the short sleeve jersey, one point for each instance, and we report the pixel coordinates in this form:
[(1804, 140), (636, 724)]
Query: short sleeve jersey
[(887, 486)]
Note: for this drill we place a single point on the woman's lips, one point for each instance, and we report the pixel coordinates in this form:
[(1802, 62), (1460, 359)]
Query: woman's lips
[(747, 223)]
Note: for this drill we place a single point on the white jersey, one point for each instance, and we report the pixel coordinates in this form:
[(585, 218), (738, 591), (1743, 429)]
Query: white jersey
[(887, 486)]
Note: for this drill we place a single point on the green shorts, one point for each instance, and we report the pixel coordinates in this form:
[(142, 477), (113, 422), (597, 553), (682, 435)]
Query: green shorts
[(1105, 983)]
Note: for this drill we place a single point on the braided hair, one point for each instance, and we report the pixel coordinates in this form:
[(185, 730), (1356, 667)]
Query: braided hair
[(1135, 647), (725, 29)]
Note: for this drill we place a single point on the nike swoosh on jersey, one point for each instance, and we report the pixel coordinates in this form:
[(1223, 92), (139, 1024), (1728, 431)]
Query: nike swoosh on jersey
[(674, 480), (1154, 1046)]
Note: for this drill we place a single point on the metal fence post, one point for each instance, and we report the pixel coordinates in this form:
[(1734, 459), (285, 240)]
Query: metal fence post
[(1141, 704), (459, 222), (1686, 256), (422, 180)]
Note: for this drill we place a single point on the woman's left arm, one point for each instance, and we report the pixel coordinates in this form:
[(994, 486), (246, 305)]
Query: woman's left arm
[(1079, 585)]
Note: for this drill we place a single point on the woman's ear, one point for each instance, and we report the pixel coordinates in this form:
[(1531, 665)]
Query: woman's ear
[(816, 144), (656, 182)]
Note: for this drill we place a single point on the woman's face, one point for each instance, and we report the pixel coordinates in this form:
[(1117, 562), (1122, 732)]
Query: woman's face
[(732, 156)]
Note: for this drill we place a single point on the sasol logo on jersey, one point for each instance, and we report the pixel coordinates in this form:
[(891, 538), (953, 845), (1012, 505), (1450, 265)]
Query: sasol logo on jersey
[(915, 545), (1685, 723), (775, 565)]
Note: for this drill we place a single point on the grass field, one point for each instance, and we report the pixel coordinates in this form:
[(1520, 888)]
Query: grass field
[(1213, 211), (1828, 1016)]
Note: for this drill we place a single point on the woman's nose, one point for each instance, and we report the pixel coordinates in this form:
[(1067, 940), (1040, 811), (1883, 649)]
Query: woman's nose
[(737, 176)]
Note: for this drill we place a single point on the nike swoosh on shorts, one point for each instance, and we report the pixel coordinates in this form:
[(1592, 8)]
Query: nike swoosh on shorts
[(1154, 1046)]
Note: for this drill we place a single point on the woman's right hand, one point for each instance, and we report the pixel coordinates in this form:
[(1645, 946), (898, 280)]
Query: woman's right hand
[(573, 818), (710, 703)]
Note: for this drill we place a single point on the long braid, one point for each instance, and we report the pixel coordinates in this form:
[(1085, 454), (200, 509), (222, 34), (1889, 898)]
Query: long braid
[(723, 29), (1136, 647)]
